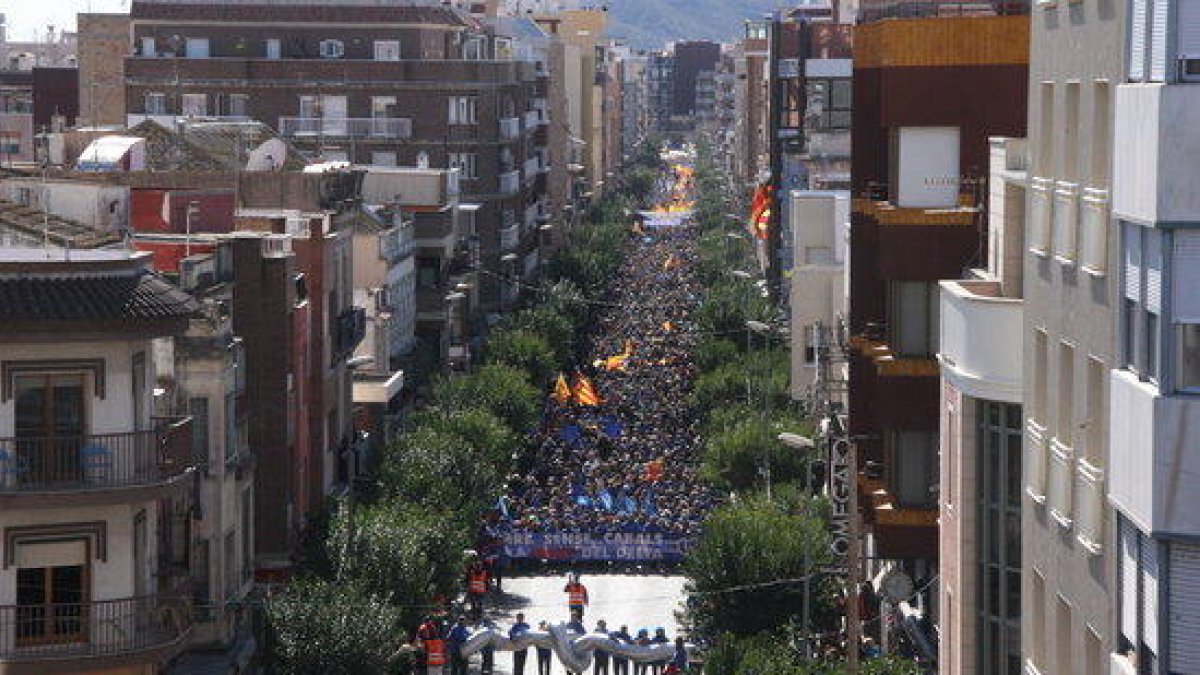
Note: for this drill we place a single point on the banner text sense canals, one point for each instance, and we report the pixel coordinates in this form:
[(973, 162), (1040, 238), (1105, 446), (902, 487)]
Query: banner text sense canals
[(614, 547)]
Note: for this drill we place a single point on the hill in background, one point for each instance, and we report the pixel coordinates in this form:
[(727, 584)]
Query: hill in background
[(651, 23)]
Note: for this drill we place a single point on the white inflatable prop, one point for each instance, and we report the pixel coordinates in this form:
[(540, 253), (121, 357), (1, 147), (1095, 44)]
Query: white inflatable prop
[(575, 651)]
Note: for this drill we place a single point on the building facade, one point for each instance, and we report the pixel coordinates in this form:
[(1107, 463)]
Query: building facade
[(922, 114), (97, 489)]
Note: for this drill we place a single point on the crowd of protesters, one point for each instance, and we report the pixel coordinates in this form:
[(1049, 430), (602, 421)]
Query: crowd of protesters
[(627, 461)]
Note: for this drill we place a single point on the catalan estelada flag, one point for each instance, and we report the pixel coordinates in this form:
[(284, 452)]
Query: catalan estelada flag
[(585, 392), (562, 390), (668, 326), (760, 211)]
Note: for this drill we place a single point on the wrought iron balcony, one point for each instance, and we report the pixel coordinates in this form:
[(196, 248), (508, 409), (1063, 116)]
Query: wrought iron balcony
[(96, 462), (91, 634)]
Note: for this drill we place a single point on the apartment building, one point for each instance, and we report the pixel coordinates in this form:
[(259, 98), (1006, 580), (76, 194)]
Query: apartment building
[(97, 490), (750, 104), (1152, 409), (395, 85), (927, 95), (980, 432), (820, 222)]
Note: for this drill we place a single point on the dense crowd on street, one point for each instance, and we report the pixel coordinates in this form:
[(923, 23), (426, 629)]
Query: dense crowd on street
[(629, 463)]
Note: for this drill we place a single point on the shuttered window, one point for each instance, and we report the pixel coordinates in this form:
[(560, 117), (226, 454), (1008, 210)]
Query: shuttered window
[(1154, 264), (1150, 575), (1137, 40), (1133, 261), (1185, 276), (1128, 581), (1159, 12), (1187, 37), (1184, 607)]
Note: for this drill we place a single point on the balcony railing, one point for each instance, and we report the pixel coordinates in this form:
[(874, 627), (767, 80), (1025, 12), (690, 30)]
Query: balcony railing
[(510, 128), (509, 237), (96, 462), (349, 329), (510, 182), (980, 343), (346, 127), (98, 629)]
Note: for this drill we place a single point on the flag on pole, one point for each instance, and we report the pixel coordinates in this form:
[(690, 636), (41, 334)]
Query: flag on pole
[(760, 211), (585, 392), (562, 390)]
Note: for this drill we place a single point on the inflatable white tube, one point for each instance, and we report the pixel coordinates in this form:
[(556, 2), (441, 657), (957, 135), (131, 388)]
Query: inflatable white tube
[(575, 651)]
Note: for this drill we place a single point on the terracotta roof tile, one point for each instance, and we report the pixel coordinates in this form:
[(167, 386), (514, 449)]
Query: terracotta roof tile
[(127, 297)]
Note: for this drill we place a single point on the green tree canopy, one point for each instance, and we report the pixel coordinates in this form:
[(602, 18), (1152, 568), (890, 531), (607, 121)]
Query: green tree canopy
[(500, 389), (734, 458), (325, 628), (439, 471), (524, 350)]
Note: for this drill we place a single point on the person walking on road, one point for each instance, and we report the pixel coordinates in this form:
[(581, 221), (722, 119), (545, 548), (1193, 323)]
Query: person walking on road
[(601, 657), (433, 647), (577, 595), (477, 586), (543, 653), (679, 662), (620, 663), (518, 629), (455, 640)]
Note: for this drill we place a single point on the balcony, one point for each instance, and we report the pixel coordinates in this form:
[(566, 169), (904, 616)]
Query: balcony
[(510, 128), (98, 468), (1066, 222), (93, 636), (1089, 486), (1155, 153), (349, 329), (530, 169), (981, 340), (1154, 451), (383, 128), (543, 110), (1041, 207), (886, 213), (397, 243), (510, 182), (510, 237), (533, 119)]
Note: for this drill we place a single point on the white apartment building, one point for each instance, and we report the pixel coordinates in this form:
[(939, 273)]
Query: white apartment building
[(95, 490), (980, 492), (1153, 415), (1067, 548), (819, 222)]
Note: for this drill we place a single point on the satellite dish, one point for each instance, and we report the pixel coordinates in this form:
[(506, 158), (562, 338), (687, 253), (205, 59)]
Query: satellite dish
[(896, 587), (267, 157)]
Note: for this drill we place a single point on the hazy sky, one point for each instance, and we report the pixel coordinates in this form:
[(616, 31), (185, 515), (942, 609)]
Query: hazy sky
[(27, 18)]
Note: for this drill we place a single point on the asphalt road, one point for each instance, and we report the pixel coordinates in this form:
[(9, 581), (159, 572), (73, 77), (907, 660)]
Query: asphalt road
[(636, 601)]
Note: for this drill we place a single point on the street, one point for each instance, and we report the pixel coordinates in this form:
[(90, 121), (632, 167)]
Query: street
[(637, 601)]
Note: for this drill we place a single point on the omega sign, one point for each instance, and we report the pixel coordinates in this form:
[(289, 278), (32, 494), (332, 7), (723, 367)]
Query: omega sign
[(841, 495)]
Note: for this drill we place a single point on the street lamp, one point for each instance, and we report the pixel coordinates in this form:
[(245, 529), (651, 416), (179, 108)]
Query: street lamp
[(806, 445)]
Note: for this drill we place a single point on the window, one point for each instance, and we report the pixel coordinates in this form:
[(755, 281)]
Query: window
[(1038, 591), (998, 545), (138, 392), (1141, 332), (1137, 594), (914, 467), (155, 103), (247, 533), (473, 49), (1070, 169), (271, 47), (1041, 363), (50, 421), (1046, 136), (50, 607), (196, 48), (198, 409), (462, 110), (810, 344), (10, 142), (1187, 337), (387, 50), (383, 159), (383, 112), (149, 48), (914, 318), (1096, 411), (231, 427), (504, 49), (232, 578), (465, 162), (1064, 421), (1063, 642), (238, 105), (1100, 132), (332, 49), (194, 105), (428, 273)]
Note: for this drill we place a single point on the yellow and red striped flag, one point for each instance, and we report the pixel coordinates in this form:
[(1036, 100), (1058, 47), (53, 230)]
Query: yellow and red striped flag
[(585, 392), (562, 390)]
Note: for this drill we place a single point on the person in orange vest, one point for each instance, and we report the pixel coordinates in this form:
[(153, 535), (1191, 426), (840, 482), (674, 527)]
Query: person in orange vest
[(433, 646), (577, 596), (477, 585)]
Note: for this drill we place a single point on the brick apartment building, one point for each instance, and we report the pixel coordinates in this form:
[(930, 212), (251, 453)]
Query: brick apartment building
[(927, 95), (421, 86)]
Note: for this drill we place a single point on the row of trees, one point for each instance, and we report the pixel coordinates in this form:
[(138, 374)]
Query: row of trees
[(746, 576), (376, 564)]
